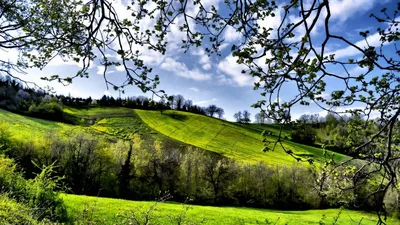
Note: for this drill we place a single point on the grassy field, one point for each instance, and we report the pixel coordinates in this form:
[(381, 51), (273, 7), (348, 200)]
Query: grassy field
[(116, 122), (24, 128), (105, 211), (239, 141)]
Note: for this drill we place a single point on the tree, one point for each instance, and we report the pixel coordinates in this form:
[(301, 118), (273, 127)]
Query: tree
[(188, 105), (246, 116), (303, 133), (179, 102), (218, 172), (290, 55), (260, 118), (125, 174), (220, 112), (78, 31), (170, 102), (211, 110), (238, 116)]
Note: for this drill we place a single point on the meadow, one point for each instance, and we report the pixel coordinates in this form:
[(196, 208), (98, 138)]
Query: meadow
[(112, 211), (234, 140)]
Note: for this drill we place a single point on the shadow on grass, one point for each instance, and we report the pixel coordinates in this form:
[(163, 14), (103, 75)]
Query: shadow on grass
[(176, 116)]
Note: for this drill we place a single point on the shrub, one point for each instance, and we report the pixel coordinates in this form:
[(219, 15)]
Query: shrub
[(47, 110), (43, 196), (37, 194), (14, 213), (304, 134)]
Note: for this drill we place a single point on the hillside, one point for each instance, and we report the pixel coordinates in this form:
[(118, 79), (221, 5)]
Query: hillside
[(238, 141), (105, 211)]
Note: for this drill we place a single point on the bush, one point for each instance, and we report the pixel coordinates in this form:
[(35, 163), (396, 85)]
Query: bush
[(304, 134), (37, 194), (47, 110), (14, 213), (44, 197)]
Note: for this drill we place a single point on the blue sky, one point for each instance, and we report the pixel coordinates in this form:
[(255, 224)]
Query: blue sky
[(215, 80)]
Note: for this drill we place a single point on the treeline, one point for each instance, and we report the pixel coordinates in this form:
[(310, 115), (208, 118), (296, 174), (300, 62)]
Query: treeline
[(140, 170), (332, 132), (15, 97), (175, 102)]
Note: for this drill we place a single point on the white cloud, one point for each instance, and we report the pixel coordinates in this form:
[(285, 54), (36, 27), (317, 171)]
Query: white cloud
[(107, 93), (373, 40), (272, 22), (180, 69), (223, 46), (120, 68), (323, 95), (205, 101), (231, 34), (205, 61), (194, 89), (207, 66), (230, 67), (100, 70), (342, 10)]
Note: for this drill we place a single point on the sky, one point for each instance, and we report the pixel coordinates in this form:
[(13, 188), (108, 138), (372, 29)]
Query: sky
[(214, 80)]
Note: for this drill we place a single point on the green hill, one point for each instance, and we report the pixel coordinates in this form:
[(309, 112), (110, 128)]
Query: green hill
[(94, 210), (238, 141)]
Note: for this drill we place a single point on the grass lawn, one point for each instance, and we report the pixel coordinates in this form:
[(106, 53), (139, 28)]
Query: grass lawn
[(238, 141), (105, 211)]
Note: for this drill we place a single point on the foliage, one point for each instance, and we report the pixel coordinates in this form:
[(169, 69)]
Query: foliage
[(37, 195), (14, 213), (242, 117), (211, 110), (303, 133), (16, 97), (47, 110)]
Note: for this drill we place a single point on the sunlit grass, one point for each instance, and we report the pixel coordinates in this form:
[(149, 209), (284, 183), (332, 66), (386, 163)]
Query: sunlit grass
[(24, 128), (105, 210), (238, 141)]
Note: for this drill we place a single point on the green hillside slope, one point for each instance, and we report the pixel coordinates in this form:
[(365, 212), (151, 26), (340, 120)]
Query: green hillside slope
[(105, 211), (239, 141), (24, 128)]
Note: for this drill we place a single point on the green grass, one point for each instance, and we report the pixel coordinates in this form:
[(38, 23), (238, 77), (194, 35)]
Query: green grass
[(238, 141), (24, 128), (104, 211), (99, 112), (117, 122)]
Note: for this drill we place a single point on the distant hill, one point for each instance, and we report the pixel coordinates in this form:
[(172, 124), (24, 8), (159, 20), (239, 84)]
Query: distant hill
[(179, 129), (235, 140)]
